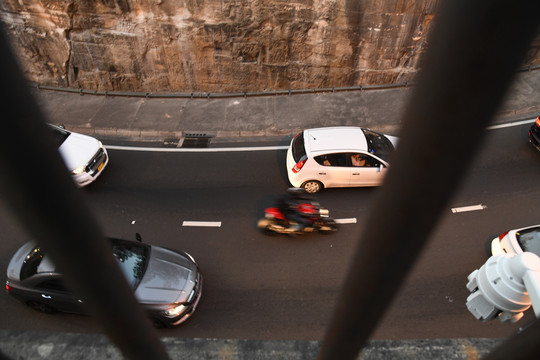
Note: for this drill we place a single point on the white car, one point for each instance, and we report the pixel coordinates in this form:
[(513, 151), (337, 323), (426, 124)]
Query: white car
[(84, 156), (341, 156), (517, 241)]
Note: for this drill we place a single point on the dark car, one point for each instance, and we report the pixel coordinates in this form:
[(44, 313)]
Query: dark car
[(534, 134), (166, 282)]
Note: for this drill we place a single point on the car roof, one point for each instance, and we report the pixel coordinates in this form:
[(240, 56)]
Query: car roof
[(337, 138)]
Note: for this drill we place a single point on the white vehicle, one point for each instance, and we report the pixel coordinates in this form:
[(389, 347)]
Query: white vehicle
[(517, 241), (84, 156), (341, 156)]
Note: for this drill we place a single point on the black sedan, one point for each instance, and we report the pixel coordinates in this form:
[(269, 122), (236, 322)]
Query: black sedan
[(166, 282)]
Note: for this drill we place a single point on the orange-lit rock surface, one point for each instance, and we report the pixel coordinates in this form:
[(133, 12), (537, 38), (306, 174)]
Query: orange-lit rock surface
[(218, 45)]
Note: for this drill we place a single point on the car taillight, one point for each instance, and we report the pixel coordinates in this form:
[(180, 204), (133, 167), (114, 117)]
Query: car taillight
[(8, 288), (502, 235), (298, 166)]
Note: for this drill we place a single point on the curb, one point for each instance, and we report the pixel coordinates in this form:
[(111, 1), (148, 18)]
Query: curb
[(63, 346), (258, 135)]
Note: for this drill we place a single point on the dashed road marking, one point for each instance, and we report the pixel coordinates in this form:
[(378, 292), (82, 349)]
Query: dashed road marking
[(510, 124), (218, 223), (469, 208), (346, 221), (202, 223)]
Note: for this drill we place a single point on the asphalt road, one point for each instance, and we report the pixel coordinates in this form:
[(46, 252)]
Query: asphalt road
[(261, 287)]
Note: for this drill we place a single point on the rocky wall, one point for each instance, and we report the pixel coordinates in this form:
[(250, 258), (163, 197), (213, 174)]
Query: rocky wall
[(217, 45)]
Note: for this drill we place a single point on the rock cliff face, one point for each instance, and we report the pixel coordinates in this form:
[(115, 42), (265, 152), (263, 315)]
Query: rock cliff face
[(217, 45)]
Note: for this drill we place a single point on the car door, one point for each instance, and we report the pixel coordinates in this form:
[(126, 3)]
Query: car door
[(366, 170), (333, 169), (52, 292)]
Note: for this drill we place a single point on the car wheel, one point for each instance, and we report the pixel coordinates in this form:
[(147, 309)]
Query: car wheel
[(488, 245), (41, 307), (312, 186)]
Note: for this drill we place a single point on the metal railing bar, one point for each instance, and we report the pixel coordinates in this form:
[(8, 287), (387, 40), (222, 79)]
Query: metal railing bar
[(38, 189), (454, 99)]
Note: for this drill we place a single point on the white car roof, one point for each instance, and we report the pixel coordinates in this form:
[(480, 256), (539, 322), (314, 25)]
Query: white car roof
[(338, 138)]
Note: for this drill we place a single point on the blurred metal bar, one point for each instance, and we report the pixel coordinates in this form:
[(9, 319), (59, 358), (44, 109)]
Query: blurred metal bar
[(35, 183), (474, 51)]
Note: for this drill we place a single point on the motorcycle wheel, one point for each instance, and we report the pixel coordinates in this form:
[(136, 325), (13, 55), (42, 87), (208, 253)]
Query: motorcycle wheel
[(328, 227), (265, 226)]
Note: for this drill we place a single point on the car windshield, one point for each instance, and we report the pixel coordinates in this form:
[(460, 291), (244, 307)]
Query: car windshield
[(59, 134), (31, 263), (378, 145), (132, 258), (529, 240), (298, 148)]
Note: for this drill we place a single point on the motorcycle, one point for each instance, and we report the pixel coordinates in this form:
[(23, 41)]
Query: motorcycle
[(319, 219)]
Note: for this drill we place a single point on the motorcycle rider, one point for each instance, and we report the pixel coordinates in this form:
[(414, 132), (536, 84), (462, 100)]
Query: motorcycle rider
[(289, 207)]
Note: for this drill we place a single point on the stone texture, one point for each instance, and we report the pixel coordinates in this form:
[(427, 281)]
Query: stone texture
[(218, 45)]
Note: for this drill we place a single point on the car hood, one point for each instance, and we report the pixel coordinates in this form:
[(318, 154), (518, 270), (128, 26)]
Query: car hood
[(169, 278), (77, 150)]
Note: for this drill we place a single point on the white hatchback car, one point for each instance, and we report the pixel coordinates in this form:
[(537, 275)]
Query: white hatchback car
[(84, 156), (517, 241), (341, 156)]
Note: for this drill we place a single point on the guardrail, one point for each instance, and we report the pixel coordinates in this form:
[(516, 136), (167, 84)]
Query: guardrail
[(245, 94), (208, 95)]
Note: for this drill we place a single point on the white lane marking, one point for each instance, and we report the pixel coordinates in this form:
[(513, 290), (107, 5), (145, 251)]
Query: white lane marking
[(346, 221), (227, 149), (469, 208), (510, 124), (202, 223), (262, 148)]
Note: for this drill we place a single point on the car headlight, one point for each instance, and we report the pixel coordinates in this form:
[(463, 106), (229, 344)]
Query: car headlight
[(78, 170), (175, 311)]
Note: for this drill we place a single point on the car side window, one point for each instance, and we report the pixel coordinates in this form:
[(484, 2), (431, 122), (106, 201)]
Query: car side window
[(53, 284), (338, 159), (363, 160)]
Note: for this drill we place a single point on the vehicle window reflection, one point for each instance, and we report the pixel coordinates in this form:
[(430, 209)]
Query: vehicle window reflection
[(338, 159)]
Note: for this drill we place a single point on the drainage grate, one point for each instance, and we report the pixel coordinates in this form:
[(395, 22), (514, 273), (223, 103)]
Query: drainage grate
[(196, 139)]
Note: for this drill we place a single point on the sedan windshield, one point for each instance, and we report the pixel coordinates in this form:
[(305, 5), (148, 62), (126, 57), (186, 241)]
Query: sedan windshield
[(298, 147), (378, 145), (59, 134), (31, 263), (132, 258)]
